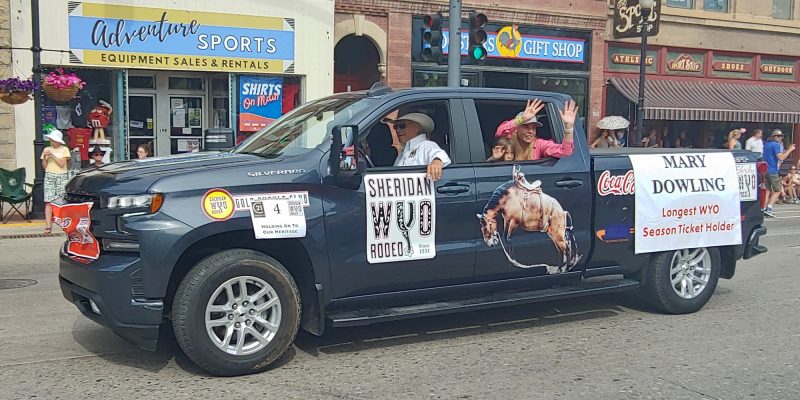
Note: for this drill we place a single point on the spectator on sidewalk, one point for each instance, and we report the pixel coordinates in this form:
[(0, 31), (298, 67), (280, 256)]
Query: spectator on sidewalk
[(755, 143), (733, 142), (791, 186), (773, 155), (54, 161)]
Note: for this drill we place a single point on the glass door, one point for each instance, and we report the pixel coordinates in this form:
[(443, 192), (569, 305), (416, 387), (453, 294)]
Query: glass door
[(141, 122), (186, 124)]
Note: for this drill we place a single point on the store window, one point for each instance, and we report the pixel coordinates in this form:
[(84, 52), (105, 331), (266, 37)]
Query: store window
[(782, 9), (142, 82), (577, 88), (220, 103), (91, 117), (424, 78), (261, 100), (715, 5), (177, 83), (680, 3)]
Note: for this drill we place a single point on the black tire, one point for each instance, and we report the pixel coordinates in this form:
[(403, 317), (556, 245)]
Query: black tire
[(194, 292), (658, 290)]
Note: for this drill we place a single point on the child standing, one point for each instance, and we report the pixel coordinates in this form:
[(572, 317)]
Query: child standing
[(54, 161)]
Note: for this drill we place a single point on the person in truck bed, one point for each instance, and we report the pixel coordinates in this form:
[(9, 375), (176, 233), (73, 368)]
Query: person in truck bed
[(522, 131)]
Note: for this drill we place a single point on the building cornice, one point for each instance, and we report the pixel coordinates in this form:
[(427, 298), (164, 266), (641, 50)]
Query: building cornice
[(495, 12)]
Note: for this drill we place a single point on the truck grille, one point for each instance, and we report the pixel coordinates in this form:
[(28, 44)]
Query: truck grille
[(72, 197)]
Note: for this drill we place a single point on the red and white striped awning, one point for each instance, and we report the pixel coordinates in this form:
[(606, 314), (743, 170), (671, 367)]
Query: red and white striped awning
[(712, 101)]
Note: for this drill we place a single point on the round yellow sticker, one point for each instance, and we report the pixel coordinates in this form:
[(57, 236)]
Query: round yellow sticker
[(218, 204)]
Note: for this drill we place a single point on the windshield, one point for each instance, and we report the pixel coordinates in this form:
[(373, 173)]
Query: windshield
[(304, 128)]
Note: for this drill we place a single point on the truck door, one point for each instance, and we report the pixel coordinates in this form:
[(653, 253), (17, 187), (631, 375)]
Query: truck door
[(356, 254), (535, 216)]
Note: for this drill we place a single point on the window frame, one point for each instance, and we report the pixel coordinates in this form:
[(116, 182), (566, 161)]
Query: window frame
[(689, 4), (477, 144), (457, 154), (789, 16), (725, 10)]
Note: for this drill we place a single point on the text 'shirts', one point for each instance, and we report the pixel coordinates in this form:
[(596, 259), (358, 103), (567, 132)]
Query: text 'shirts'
[(401, 217), (686, 198)]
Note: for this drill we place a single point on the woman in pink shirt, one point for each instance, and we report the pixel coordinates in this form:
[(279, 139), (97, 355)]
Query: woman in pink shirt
[(522, 131)]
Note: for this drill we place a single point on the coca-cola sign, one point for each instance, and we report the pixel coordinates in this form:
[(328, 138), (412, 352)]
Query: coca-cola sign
[(617, 185)]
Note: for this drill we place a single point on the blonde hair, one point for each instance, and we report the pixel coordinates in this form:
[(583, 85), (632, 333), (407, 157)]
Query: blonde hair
[(732, 134), (521, 152)]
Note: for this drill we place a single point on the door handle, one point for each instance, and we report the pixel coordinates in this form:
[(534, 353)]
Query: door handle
[(452, 189), (569, 183)]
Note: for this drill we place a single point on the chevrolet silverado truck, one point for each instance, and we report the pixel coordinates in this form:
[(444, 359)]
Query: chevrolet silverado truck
[(307, 224)]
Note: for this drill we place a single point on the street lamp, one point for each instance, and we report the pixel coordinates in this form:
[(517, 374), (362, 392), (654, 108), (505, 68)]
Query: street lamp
[(647, 8)]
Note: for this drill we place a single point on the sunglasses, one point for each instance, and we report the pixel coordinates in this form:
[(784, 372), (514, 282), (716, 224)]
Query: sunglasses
[(97, 154), (400, 125)]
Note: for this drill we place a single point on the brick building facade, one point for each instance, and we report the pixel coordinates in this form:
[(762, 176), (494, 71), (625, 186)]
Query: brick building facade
[(394, 29), (713, 66)]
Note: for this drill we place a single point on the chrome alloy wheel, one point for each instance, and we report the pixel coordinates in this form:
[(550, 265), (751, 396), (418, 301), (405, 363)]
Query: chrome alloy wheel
[(243, 315), (690, 271)]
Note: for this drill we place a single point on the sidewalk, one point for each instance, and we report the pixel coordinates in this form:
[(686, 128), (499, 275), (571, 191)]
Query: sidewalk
[(17, 227)]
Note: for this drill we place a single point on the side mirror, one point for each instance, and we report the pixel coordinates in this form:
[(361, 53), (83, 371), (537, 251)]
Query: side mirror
[(347, 163)]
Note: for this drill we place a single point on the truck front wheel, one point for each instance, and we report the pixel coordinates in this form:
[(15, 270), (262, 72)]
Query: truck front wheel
[(236, 312), (682, 281)]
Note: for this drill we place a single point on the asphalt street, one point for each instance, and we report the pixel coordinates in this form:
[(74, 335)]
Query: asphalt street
[(745, 344)]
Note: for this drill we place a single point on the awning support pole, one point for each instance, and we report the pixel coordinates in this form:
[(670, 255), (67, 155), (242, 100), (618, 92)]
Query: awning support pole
[(642, 66)]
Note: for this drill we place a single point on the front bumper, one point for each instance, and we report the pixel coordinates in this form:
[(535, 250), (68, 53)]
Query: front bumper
[(752, 248), (109, 282)]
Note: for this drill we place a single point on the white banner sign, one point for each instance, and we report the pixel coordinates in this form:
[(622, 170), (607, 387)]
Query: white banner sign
[(748, 185), (401, 217), (686, 201)]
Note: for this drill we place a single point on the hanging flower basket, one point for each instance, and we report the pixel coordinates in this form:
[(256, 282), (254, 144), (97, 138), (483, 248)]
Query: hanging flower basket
[(16, 91), (14, 98), (60, 94), (61, 86)]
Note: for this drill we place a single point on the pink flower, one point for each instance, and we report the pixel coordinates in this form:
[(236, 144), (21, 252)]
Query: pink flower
[(63, 80)]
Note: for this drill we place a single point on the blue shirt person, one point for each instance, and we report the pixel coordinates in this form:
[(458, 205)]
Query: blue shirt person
[(773, 155)]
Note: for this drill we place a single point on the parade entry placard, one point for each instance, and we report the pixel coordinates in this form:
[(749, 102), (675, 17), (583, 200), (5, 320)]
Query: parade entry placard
[(748, 184), (277, 219), (686, 201), (401, 217)]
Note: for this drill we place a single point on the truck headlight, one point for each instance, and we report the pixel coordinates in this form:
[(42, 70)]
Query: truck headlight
[(152, 202)]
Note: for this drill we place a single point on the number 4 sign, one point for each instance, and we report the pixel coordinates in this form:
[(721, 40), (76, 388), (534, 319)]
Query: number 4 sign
[(277, 219)]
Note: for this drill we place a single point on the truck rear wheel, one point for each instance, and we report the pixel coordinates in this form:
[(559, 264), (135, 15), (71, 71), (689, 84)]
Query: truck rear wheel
[(682, 281), (236, 312)]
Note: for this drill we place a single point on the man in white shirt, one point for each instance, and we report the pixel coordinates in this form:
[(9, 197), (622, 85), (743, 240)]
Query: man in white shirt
[(412, 130), (755, 143)]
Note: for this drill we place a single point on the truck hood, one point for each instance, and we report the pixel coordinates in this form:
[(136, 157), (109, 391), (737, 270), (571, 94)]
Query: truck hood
[(147, 171)]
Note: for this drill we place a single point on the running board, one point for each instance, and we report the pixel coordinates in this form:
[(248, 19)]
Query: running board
[(502, 299)]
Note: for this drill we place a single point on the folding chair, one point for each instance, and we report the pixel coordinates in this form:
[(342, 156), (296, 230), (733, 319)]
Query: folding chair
[(12, 191)]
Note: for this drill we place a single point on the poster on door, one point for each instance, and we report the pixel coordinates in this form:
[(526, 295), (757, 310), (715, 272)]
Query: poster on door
[(686, 200), (401, 217), (259, 101)]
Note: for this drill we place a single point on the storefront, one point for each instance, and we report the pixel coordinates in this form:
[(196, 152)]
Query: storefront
[(519, 57), (180, 79), (705, 93)]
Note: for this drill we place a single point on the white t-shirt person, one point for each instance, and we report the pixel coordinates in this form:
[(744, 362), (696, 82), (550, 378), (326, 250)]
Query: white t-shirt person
[(411, 131), (755, 144)]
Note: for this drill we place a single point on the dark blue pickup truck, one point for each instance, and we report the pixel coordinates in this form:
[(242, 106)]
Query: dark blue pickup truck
[(309, 225)]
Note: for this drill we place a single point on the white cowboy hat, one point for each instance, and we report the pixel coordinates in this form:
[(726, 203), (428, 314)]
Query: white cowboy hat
[(613, 123), (55, 135), (424, 121)]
